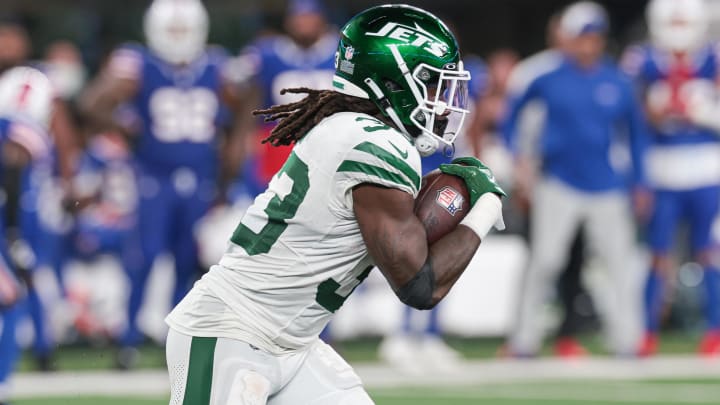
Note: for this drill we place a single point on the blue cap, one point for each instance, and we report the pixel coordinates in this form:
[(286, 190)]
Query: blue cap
[(582, 18), (297, 7)]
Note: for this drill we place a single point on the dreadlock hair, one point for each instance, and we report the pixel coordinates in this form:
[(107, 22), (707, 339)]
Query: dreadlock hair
[(298, 118)]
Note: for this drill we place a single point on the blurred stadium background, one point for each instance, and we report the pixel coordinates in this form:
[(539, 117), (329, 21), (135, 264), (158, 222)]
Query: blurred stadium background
[(478, 313)]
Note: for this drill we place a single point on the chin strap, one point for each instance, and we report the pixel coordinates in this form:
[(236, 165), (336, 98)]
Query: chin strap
[(426, 144)]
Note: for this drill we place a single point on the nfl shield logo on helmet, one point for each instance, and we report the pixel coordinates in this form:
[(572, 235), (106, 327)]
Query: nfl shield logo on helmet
[(349, 52), (449, 199)]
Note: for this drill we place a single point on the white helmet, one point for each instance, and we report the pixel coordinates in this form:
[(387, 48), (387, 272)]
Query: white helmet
[(176, 30), (26, 93), (677, 25)]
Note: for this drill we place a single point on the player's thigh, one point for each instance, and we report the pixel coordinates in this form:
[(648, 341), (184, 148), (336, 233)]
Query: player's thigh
[(556, 215), (612, 236), (702, 211), (218, 371), (184, 244), (154, 215), (324, 378), (243, 374), (610, 227), (664, 220), (190, 368)]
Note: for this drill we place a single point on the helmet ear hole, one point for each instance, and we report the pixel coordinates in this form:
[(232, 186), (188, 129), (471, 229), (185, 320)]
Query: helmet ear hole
[(424, 75), (392, 85)]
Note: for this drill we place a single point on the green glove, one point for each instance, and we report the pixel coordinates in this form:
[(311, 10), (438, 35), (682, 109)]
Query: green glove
[(478, 178)]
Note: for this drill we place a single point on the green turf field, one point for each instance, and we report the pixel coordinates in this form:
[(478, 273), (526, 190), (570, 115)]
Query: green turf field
[(83, 357), (677, 391), (659, 392)]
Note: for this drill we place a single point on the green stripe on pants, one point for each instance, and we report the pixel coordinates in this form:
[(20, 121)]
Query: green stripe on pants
[(200, 371)]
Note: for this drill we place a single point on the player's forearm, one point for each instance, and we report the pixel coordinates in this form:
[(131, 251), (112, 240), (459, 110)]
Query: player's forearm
[(100, 102), (66, 138), (454, 251), (99, 111), (450, 257)]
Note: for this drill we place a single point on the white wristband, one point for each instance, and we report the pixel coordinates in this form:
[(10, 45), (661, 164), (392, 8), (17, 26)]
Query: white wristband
[(486, 213)]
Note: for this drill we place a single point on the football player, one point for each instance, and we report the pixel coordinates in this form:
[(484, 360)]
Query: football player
[(587, 99), (677, 75), (302, 58), (177, 87), (343, 201), (46, 218), (570, 289), (25, 107), (107, 181), (30, 238)]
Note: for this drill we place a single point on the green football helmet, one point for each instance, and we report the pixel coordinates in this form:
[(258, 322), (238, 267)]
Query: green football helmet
[(407, 61)]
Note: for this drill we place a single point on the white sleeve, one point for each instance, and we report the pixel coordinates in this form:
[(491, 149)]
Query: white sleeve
[(375, 163)]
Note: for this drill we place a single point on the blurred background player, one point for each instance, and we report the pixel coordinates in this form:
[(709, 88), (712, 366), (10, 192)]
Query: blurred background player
[(677, 74), (47, 214), (15, 45), (33, 227), (571, 293), (25, 107), (303, 57), (177, 88), (586, 99)]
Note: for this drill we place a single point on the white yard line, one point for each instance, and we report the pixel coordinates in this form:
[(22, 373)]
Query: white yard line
[(640, 393), (500, 371), (491, 375)]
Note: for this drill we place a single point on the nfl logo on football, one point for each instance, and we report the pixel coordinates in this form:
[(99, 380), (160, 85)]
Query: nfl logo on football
[(349, 52), (449, 199)]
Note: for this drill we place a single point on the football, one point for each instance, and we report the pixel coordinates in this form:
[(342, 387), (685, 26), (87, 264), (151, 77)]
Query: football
[(443, 201)]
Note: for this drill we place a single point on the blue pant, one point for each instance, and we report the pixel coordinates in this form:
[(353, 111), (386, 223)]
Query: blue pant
[(698, 207), (167, 214), (9, 350)]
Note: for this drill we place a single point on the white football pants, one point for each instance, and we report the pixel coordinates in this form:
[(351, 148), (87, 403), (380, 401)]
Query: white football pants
[(557, 212), (219, 371)]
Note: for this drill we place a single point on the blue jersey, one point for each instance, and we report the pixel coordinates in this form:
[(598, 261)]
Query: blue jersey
[(660, 76), (273, 64), (36, 142), (683, 156), (179, 108), (106, 174), (277, 63), (587, 111)]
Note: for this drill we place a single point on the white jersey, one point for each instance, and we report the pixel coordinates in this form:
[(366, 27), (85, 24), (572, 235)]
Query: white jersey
[(298, 253)]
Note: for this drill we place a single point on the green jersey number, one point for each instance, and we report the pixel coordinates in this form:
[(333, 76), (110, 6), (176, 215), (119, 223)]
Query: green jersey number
[(293, 178), (330, 296), (377, 125)]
